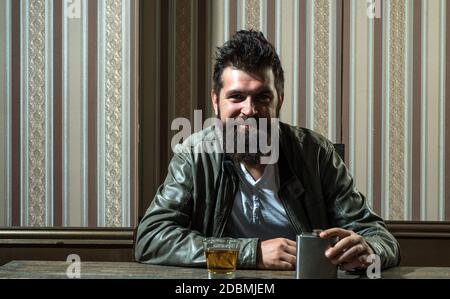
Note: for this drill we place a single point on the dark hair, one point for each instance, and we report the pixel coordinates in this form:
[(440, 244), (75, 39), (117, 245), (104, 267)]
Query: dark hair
[(248, 50)]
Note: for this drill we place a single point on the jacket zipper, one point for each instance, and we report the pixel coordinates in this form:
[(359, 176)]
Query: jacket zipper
[(288, 213), (225, 219), (297, 228)]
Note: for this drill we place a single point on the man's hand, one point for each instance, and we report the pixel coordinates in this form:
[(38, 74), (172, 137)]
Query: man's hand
[(276, 254), (350, 252)]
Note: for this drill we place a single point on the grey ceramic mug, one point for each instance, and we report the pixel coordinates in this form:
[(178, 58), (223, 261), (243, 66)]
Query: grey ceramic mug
[(311, 260)]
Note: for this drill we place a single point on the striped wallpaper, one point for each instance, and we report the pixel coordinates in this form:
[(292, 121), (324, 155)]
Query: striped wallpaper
[(394, 108), (68, 113), (68, 97), (370, 74)]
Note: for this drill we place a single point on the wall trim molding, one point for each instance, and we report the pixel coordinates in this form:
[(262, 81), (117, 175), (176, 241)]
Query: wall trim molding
[(420, 229), (422, 243), (400, 229), (62, 236)]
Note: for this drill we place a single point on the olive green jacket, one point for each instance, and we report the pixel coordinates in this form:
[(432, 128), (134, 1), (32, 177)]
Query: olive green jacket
[(197, 196)]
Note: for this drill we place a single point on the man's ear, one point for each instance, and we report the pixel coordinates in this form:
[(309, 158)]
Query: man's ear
[(215, 101), (280, 101)]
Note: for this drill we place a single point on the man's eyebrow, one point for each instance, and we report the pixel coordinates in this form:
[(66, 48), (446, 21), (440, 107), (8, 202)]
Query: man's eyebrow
[(264, 90), (233, 91), (237, 91)]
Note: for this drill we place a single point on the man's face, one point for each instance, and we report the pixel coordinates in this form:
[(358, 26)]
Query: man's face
[(247, 95)]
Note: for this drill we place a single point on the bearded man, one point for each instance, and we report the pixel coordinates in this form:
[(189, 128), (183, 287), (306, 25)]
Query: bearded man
[(263, 203)]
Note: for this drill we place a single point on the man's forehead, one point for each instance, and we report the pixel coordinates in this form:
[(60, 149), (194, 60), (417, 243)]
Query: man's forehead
[(233, 76)]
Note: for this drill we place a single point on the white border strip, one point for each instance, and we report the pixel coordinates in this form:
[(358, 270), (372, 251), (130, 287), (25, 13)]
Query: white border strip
[(172, 66), (409, 111), (49, 112), (84, 133), (424, 139), (24, 7), (387, 122), (442, 91), (194, 94), (263, 16), (332, 25), (370, 121), (278, 26), (310, 66), (226, 19), (240, 16), (100, 117), (125, 113), (352, 115), (131, 120), (65, 116), (385, 113), (295, 70)]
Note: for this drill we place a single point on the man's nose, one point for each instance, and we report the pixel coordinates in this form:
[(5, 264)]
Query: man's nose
[(249, 107)]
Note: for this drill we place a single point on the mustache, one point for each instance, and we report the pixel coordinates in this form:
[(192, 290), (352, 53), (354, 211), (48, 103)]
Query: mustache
[(245, 120)]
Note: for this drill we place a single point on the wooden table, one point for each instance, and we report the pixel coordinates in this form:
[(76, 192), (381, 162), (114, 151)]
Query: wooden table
[(57, 269)]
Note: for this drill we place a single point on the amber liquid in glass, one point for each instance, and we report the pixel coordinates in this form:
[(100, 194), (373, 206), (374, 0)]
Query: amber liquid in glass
[(221, 261)]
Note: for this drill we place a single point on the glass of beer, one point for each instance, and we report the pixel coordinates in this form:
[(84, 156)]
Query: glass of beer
[(221, 257)]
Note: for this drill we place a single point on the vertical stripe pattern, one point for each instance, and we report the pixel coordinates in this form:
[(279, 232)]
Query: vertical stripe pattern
[(183, 59), (374, 193), (92, 113), (423, 104), (67, 138), (15, 116), (401, 54), (416, 168), (57, 112), (252, 14), (320, 78), (74, 116), (35, 106), (68, 97), (396, 102), (441, 109), (4, 96), (361, 110), (447, 117), (432, 99), (101, 197), (113, 110), (302, 75)]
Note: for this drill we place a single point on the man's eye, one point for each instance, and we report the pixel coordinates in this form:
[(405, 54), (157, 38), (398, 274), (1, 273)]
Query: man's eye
[(265, 98), (237, 97)]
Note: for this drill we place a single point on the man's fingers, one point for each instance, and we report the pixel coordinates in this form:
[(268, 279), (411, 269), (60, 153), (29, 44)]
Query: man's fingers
[(351, 265), (292, 250), (283, 262), (348, 255), (291, 259), (277, 253), (335, 232), (340, 246), (291, 243), (289, 246), (283, 265)]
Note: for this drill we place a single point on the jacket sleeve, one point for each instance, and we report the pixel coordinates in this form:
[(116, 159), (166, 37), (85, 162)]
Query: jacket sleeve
[(164, 235), (348, 209)]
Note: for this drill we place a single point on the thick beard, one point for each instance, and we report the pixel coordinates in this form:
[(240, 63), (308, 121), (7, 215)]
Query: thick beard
[(252, 159), (246, 157)]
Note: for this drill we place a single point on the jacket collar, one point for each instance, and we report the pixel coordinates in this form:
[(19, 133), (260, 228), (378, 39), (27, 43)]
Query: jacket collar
[(292, 191), (287, 177)]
